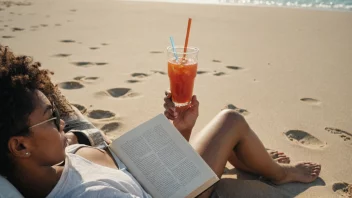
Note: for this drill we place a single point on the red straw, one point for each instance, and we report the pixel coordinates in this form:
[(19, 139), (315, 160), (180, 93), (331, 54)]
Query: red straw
[(187, 36)]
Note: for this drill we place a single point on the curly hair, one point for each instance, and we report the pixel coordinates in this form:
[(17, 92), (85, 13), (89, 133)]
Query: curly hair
[(19, 78)]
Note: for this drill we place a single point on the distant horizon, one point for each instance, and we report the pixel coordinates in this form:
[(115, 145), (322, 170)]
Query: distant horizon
[(342, 5)]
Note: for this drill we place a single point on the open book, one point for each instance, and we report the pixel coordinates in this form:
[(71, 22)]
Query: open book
[(162, 161)]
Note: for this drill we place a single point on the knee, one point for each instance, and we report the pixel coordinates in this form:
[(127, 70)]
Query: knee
[(231, 117)]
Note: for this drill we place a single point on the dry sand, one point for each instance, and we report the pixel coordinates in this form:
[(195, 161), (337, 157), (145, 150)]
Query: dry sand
[(289, 70)]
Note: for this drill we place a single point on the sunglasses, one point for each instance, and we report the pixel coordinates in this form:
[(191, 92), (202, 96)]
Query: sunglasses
[(56, 118)]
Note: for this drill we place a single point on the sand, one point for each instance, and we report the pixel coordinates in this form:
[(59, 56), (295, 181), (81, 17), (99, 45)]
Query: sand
[(287, 70)]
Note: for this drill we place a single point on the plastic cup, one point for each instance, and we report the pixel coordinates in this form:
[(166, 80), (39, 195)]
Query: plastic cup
[(182, 72)]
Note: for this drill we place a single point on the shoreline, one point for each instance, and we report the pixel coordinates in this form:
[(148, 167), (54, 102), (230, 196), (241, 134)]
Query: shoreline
[(247, 5)]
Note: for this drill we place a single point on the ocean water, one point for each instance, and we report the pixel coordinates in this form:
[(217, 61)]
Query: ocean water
[(343, 5)]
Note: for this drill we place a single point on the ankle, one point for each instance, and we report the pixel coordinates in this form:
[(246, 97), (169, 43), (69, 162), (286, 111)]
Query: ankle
[(283, 173)]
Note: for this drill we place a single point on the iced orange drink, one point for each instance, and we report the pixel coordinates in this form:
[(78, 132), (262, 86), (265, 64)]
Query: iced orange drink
[(182, 72)]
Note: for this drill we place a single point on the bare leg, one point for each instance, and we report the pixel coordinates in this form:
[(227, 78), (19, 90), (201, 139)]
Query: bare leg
[(277, 156), (229, 130)]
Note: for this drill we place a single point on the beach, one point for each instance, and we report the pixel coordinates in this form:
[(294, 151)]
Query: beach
[(288, 71)]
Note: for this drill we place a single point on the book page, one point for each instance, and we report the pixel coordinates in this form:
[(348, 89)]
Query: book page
[(161, 159)]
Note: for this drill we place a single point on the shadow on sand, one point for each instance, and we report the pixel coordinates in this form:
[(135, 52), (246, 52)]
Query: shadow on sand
[(250, 185)]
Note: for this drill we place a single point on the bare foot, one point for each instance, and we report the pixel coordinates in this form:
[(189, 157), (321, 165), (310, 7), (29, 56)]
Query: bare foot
[(304, 172), (279, 157)]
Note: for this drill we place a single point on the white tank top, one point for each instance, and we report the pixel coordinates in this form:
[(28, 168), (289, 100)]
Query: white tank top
[(83, 178)]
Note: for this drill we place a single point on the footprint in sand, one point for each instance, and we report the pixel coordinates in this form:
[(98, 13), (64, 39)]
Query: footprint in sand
[(14, 3), (132, 81), (73, 10), (44, 25), (156, 52), (105, 44), (304, 139), (81, 108), (17, 29), (78, 77), (86, 63), (216, 61), (202, 72), (234, 67), (94, 48), (310, 101), (70, 85), (112, 126), (101, 63), (346, 136), (158, 72), (8, 37), (238, 110), (91, 78), (83, 63), (62, 55), (117, 93), (68, 41), (219, 73), (101, 114), (85, 79), (139, 75), (343, 189)]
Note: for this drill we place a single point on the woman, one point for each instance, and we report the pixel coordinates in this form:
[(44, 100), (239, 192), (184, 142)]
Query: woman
[(32, 143)]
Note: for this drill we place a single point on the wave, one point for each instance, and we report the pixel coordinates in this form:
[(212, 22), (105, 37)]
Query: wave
[(345, 5)]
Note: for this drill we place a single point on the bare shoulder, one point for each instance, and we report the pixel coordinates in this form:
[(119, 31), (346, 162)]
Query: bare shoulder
[(97, 156)]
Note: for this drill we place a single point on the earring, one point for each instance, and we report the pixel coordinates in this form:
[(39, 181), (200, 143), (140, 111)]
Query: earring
[(27, 153)]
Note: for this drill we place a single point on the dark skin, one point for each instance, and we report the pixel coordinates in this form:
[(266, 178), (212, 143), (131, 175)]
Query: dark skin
[(35, 156), (36, 173)]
